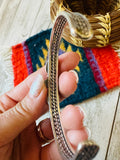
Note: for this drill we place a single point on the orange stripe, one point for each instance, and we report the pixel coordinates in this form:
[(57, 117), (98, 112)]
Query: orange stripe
[(108, 62), (19, 65)]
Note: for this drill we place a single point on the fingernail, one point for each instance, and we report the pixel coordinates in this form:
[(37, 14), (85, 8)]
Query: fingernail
[(82, 112), (36, 86), (88, 131), (76, 75)]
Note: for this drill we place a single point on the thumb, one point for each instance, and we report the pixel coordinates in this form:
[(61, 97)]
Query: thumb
[(16, 119)]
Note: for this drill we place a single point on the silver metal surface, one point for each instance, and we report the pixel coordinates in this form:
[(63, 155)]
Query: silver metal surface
[(80, 28)]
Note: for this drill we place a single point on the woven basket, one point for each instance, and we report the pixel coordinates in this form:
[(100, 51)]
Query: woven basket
[(104, 17)]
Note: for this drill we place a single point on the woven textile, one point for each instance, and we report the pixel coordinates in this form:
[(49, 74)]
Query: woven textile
[(98, 68)]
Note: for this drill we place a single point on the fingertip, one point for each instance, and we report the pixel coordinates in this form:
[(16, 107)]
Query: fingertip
[(67, 83), (68, 61), (72, 118), (77, 136)]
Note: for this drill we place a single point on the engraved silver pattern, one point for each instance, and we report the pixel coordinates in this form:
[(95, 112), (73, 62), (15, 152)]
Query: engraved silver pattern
[(80, 27)]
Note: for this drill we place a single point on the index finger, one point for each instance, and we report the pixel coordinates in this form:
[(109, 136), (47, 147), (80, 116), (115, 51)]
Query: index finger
[(67, 61)]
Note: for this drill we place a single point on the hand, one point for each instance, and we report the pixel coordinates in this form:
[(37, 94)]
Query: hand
[(20, 107)]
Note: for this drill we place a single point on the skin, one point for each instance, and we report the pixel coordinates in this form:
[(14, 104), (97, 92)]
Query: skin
[(19, 110)]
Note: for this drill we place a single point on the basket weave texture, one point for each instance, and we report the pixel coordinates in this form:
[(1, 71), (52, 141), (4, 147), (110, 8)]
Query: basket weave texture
[(104, 17)]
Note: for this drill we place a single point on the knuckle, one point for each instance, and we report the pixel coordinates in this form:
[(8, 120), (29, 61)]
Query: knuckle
[(22, 110)]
